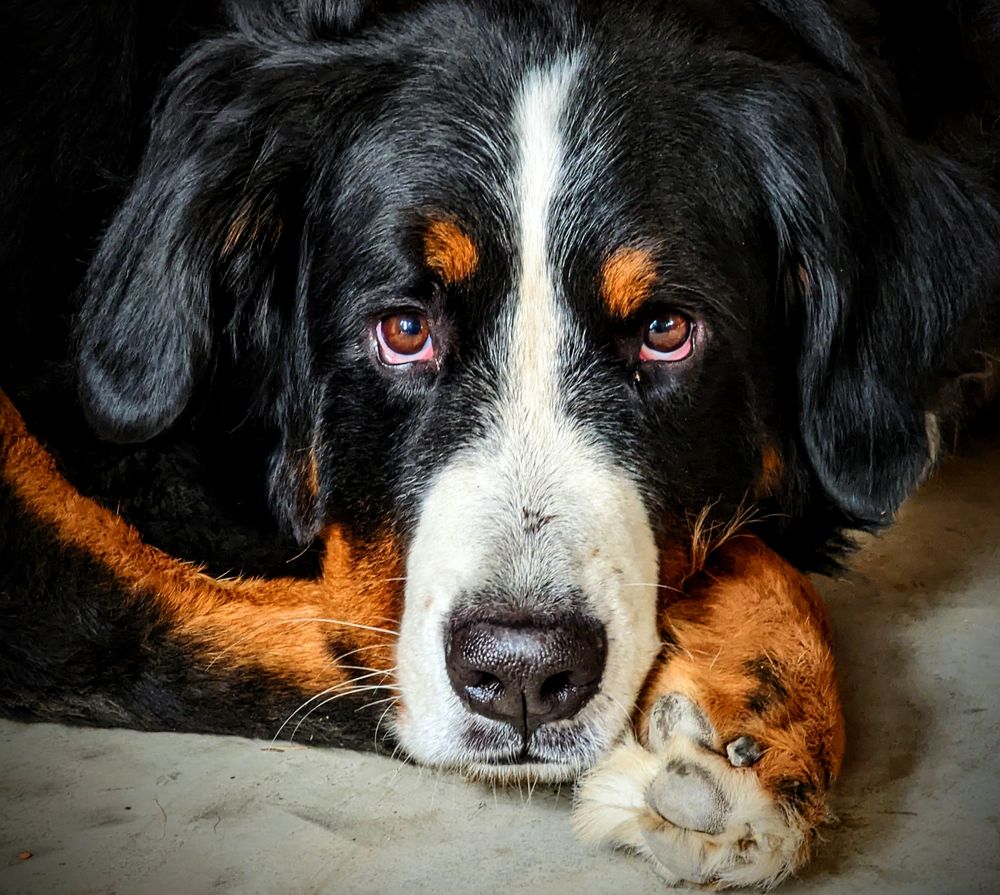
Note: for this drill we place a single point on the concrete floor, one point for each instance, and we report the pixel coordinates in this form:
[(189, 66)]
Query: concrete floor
[(918, 627)]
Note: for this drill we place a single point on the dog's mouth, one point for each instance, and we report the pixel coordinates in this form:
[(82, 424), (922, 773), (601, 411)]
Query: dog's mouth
[(548, 756), (501, 752)]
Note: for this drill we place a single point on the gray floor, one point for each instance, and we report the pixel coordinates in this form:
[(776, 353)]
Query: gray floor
[(918, 627)]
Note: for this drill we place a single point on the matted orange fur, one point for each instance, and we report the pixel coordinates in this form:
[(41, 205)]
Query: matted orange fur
[(749, 642)]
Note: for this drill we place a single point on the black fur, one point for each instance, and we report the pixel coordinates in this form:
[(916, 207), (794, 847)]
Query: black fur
[(824, 173), (108, 658)]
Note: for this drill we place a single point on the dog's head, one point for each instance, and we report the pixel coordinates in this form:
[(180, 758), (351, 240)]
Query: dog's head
[(530, 291)]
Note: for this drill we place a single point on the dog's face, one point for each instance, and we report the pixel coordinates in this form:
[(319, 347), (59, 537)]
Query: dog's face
[(525, 303), (536, 354)]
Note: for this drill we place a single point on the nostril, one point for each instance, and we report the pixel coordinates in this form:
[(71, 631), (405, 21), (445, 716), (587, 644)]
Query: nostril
[(485, 679), (557, 685), (485, 687)]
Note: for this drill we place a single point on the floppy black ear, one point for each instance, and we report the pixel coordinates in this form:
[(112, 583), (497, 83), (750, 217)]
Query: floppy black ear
[(211, 242), (210, 179), (894, 252), (890, 253), (895, 304)]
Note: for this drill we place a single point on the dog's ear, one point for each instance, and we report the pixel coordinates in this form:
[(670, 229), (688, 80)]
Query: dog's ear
[(205, 206), (892, 255), (893, 305), (205, 263)]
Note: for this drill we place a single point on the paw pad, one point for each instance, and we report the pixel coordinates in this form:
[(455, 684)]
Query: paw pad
[(692, 805), (687, 795)]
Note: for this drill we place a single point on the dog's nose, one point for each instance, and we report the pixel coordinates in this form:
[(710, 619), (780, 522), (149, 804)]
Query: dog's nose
[(526, 672)]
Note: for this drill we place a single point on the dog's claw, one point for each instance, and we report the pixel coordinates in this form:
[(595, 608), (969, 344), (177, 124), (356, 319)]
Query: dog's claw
[(744, 752)]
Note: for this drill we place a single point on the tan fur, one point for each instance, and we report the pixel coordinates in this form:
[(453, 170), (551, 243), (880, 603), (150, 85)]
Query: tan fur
[(627, 279), (312, 480), (706, 536), (254, 225), (752, 649), (449, 252), (772, 472), (309, 480), (750, 636), (275, 625)]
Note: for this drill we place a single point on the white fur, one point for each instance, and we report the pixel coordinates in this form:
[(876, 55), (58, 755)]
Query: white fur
[(534, 457), (538, 323)]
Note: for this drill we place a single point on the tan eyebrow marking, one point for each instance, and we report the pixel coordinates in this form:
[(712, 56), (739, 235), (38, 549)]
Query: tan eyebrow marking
[(627, 278), (449, 252)]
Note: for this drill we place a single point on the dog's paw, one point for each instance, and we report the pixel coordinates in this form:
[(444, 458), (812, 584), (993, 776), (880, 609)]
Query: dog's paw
[(691, 804)]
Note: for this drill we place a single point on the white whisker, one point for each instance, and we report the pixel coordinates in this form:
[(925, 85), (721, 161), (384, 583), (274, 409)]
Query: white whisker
[(651, 584), (368, 705), (392, 702), (340, 685), (365, 668), (338, 621), (334, 698), (298, 621), (298, 555), (375, 702), (360, 649)]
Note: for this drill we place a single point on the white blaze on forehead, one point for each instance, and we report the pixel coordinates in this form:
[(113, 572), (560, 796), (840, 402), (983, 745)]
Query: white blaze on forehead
[(537, 323)]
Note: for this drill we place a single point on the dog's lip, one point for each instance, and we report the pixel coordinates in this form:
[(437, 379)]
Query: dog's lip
[(502, 758), (501, 746), (523, 757)]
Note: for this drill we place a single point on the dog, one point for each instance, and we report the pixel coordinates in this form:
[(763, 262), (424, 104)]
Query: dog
[(509, 360)]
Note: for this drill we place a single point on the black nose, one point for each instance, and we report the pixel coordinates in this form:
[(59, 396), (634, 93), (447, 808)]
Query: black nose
[(529, 671)]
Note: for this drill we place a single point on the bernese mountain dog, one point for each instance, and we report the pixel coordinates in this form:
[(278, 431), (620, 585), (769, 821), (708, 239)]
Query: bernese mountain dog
[(483, 376)]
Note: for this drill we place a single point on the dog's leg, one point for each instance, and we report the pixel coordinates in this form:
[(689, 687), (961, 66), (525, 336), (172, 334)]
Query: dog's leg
[(740, 731), (154, 642)]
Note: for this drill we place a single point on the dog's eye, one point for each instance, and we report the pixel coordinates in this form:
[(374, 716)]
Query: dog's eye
[(404, 338), (668, 337)]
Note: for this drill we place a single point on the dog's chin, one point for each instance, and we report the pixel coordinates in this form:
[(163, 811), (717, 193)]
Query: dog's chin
[(523, 772)]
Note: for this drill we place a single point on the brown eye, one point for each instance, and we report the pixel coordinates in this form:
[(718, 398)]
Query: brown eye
[(669, 337), (404, 338)]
